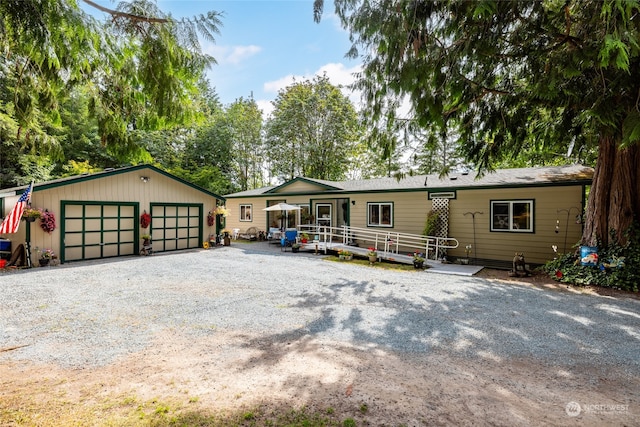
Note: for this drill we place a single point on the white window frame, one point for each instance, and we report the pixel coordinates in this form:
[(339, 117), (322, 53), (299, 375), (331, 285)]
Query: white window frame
[(380, 205), (511, 225), (243, 212)]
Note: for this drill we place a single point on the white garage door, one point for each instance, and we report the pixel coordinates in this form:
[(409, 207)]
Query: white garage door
[(94, 230), (176, 226)]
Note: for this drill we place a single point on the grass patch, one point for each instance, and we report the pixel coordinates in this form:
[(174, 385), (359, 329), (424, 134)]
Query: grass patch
[(385, 265), (27, 409)]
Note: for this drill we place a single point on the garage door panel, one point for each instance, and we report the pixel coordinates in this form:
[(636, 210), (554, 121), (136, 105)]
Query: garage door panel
[(94, 238), (92, 252), (73, 253), (111, 224), (127, 223), (73, 225), (110, 251), (93, 224), (92, 211)]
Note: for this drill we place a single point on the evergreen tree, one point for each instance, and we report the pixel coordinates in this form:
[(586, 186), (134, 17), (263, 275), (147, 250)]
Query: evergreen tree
[(508, 75)]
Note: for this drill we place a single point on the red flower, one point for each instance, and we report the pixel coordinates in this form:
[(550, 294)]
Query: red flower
[(145, 220), (559, 274)]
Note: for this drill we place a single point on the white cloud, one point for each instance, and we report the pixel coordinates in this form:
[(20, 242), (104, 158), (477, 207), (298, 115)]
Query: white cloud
[(266, 107), (338, 75), (233, 55)]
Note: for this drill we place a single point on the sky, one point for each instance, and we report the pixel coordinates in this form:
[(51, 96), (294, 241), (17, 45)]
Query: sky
[(264, 45)]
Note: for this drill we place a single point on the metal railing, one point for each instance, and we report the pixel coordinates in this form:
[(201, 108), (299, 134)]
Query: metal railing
[(387, 242)]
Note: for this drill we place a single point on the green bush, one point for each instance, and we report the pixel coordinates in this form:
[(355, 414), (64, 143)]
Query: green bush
[(431, 224), (568, 269)]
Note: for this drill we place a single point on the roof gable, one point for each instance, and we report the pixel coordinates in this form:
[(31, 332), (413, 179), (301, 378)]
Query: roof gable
[(105, 173), (304, 185)]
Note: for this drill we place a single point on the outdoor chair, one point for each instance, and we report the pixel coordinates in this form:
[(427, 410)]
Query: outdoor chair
[(288, 239)]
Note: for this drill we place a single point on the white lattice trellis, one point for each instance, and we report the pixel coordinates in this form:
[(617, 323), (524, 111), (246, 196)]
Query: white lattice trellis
[(441, 207)]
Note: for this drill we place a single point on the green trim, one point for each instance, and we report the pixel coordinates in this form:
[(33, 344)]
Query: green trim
[(432, 194), (511, 201), (393, 214), (84, 231), (89, 177), (301, 179), (177, 216)]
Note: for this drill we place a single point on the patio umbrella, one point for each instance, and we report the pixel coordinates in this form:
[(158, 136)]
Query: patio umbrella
[(282, 207)]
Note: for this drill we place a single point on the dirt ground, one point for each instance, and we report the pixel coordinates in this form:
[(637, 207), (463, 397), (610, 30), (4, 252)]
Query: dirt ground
[(231, 371)]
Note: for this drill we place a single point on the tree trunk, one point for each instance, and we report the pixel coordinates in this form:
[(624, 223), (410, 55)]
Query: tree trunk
[(613, 199)]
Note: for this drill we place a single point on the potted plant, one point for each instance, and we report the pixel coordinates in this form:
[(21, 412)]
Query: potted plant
[(295, 247), (146, 239), (226, 237), (418, 260), (345, 255), (31, 214), (467, 251), (45, 256), (304, 237), (372, 254)]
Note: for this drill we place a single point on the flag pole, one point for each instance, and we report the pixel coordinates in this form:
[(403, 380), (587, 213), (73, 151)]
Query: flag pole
[(28, 233)]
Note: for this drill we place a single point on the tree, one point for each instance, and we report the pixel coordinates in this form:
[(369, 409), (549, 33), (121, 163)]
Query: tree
[(140, 70), (244, 127), (512, 74), (313, 131)]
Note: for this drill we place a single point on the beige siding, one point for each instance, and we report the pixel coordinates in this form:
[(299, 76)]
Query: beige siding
[(411, 208), (259, 216), (124, 187), (503, 245), (301, 187)]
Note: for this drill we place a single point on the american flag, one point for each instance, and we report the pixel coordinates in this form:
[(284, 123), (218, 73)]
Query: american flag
[(12, 221)]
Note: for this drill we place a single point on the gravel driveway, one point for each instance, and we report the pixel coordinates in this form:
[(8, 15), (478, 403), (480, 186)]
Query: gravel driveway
[(87, 315)]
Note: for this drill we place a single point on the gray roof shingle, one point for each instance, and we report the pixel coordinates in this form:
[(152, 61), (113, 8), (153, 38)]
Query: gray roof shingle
[(503, 177)]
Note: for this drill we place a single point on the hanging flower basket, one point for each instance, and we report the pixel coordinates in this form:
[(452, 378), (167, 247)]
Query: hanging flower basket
[(211, 219), (48, 221), (145, 220), (221, 210)]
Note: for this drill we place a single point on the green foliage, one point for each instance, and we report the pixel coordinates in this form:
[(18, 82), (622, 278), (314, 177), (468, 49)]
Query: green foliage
[(132, 74), (431, 223), (243, 129), (568, 269), (313, 131), (507, 77)]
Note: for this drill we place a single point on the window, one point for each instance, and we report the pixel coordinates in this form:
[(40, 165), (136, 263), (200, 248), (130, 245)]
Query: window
[(380, 214), (512, 215), (245, 212)]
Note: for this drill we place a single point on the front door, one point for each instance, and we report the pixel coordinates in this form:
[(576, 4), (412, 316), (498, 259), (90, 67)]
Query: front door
[(323, 214)]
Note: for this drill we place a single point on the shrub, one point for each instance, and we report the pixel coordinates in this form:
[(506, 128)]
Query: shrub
[(624, 274)]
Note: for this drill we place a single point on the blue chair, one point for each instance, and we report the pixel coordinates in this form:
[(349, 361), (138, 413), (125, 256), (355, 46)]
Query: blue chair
[(288, 239)]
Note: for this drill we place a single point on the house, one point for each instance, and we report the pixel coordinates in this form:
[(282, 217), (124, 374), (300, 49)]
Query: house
[(512, 210), (98, 215)]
